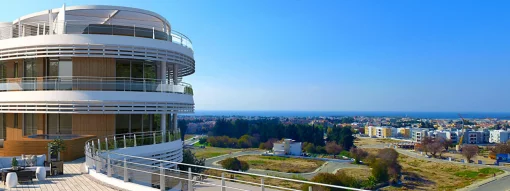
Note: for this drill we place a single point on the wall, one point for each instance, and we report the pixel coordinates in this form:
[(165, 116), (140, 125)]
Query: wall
[(93, 124), (28, 146), (98, 67)]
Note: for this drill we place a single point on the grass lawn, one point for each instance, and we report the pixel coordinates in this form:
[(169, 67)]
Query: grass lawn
[(426, 175), (256, 179), (358, 173), (209, 152), (281, 164)]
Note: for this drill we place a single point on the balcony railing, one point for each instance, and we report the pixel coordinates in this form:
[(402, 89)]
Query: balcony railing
[(102, 156), (86, 27), (78, 83)]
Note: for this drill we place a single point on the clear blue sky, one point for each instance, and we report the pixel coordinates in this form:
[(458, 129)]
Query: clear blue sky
[(337, 55)]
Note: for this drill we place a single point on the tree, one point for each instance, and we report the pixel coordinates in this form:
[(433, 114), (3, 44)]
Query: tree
[(325, 178), (202, 140), (446, 143), (469, 151), (358, 154), (379, 170), (424, 142), (309, 147), (235, 164), (435, 147), (502, 148), (189, 157), (333, 148), (389, 158)]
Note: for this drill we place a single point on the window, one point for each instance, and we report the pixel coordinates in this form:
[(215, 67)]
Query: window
[(2, 126), (29, 124), (29, 68), (52, 67), (131, 123), (3, 71), (15, 120), (136, 69), (15, 69), (59, 124)]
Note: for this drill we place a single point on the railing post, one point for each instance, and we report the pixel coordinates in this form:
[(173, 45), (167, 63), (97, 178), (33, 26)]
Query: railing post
[(190, 179), (262, 184), (106, 142), (223, 182), (124, 141), (108, 166), (98, 145), (309, 188), (153, 33), (161, 177), (126, 178), (134, 135), (93, 156), (134, 30), (154, 136), (114, 142)]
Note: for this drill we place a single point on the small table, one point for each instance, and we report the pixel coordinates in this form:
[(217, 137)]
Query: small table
[(23, 175)]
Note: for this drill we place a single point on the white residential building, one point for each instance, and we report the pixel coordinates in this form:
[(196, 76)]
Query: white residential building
[(499, 136), (287, 147)]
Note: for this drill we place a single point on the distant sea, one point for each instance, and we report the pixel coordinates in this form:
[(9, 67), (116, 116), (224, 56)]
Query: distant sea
[(427, 115)]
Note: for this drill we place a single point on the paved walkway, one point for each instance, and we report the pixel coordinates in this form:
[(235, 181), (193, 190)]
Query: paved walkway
[(72, 179)]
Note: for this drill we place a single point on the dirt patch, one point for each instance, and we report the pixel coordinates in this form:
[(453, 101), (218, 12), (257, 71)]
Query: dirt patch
[(281, 164), (420, 174)]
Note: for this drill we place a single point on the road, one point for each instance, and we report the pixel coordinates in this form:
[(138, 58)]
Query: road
[(502, 184), (192, 141), (331, 166)]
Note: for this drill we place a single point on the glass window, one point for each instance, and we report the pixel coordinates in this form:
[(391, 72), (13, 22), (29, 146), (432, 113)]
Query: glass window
[(30, 124), (29, 68), (147, 122), (2, 126), (3, 73), (15, 69), (52, 68), (136, 123), (122, 123), (123, 68), (149, 71), (60, 124), (136, 69)]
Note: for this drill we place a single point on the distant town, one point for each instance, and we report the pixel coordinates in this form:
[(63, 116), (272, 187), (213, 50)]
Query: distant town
[(478, 131)]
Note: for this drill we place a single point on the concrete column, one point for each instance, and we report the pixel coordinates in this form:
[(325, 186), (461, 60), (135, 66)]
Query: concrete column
[(163, 73), (174, 122), (163, 128), (175, 73)]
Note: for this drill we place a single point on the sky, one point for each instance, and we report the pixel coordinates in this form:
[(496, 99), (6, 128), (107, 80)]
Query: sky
[(337, 55)]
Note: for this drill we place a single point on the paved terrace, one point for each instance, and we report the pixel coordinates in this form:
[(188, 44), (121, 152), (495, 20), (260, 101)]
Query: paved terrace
[(72, 179)]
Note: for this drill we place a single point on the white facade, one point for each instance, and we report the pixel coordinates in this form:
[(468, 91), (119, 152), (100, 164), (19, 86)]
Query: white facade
[(287, 147), (499, 136)]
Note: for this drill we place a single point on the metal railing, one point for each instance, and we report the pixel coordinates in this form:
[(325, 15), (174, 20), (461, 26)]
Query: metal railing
[(77, 83), (89, 27), (166, 174)]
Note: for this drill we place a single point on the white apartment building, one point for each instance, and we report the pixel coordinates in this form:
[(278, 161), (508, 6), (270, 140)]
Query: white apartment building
[(287, 147), (499, 136)]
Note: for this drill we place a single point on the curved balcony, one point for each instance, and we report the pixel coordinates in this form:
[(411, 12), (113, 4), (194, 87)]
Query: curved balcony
[(85, 27), (79, 83)]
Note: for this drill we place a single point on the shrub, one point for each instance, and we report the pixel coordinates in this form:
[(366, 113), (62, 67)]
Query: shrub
[(333, 148), (235, 164)]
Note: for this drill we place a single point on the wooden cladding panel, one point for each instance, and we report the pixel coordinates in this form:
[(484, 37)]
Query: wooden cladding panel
[(27, 146), (10, 68), (97, 67), (14, 133), (93, 124)]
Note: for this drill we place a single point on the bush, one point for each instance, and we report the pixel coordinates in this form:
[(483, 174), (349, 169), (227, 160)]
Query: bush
[(333, 148), (202, 140), (379, 171), (235, 164), (339, 179), (189, 157)]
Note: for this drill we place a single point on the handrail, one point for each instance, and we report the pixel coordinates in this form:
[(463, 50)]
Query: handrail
[(89, 27), (77, 83), (97, 159)]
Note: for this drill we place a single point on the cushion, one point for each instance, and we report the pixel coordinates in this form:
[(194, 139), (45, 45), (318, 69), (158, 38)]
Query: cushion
[(40, 160), (6, 162)]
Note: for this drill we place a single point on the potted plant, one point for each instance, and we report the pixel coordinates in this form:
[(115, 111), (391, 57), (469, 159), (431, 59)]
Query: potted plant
[(14, 164), (56, 147)]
